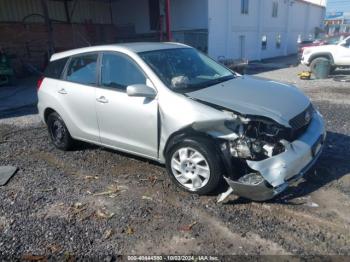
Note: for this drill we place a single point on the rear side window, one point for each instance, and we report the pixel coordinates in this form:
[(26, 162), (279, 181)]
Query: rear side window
[(119, 71), (55, 68), (82, 69)]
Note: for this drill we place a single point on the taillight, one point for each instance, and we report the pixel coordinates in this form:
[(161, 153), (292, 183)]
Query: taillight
[(40, 81)]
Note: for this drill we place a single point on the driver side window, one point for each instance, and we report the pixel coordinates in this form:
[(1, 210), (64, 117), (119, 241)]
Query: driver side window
[(118, 71)]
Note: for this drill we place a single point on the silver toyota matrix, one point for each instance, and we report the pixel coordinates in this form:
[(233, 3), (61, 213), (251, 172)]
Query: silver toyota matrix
[(170, 103)]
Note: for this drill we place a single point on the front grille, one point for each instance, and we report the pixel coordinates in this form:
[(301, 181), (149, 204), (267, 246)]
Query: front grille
[(300, 123), (303, 119)]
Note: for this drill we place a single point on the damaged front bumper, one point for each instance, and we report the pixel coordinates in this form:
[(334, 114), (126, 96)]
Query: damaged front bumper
[(280, 171)]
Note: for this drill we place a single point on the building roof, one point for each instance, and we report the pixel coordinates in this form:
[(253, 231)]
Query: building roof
[(320, 3), (133, 47)]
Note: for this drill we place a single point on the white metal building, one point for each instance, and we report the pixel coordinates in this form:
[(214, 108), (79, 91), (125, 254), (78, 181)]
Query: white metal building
[(257, 29), (248, 29), (235, 29)]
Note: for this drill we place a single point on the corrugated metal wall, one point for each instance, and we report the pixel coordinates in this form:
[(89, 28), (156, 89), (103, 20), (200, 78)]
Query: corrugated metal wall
[(15, 11), (97, 12)]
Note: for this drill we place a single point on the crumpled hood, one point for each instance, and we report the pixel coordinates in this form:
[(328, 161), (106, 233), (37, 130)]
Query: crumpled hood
[(249, 95)]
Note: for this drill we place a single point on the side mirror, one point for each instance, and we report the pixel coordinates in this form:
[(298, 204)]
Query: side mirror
[(141, 90)]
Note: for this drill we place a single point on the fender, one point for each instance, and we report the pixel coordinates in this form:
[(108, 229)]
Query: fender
[(322, 54), (221, 146)]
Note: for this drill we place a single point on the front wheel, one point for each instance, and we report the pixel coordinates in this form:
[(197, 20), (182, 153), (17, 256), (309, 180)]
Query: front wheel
[(333, 68), (194, 166)]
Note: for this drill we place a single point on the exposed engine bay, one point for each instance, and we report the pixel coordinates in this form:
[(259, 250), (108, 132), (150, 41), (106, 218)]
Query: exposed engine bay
[(256, 139), (259, 148)]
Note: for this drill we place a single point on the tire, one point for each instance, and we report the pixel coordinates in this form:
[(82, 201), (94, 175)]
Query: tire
[(59, 133), (12, 81), (333, 68), (200, 162), (315, 62)]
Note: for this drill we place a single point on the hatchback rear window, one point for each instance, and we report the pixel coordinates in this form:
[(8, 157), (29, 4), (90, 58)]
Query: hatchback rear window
[(55, 68)]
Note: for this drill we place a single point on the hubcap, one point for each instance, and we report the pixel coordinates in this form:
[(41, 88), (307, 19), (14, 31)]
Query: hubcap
[(190, 168), (58, 132)]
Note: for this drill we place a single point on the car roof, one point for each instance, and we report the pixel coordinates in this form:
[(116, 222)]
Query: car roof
[(131, 47)]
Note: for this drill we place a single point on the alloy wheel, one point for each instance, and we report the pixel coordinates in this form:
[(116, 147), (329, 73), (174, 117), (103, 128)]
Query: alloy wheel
[(190, 168)]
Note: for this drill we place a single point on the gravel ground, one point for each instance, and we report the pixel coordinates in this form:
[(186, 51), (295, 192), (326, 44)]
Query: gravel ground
[(95, 202)]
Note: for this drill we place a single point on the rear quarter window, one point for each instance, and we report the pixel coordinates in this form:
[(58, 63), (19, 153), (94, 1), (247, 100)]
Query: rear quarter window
[(55, 68), (82, 69)]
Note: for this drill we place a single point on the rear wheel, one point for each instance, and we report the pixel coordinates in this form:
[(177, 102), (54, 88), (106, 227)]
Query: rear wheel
[(59, 133), (194, 166)]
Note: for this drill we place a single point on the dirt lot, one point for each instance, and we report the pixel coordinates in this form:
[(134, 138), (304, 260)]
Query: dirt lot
[(96, 202)]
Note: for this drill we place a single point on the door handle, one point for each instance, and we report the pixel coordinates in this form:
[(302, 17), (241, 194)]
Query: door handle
[(102, 100), (62, 91)]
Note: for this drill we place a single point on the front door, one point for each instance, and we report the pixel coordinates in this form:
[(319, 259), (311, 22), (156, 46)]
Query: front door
[(126, 123), (343, 53)]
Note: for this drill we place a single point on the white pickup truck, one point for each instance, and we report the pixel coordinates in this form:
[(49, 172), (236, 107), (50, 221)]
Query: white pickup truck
[(338, 55)]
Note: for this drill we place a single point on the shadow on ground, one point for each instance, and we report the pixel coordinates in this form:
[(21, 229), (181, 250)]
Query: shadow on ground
[(19, 111), (19, 99)]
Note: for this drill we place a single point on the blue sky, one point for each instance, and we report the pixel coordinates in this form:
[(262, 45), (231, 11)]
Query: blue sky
[(338, 5)]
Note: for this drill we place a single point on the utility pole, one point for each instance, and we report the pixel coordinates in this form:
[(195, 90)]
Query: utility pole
[(288, 25), (48, 23), (167, 20)]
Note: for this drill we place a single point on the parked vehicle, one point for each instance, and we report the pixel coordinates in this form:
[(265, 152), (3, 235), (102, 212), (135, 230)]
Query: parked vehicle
[(331, 40), (337, 55), (170, 103)]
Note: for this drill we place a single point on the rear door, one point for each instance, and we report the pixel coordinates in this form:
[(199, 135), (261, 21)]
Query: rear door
[(77, 96), (126, 123)]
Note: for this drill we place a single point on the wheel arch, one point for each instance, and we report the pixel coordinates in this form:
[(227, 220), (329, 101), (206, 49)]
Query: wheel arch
[(185, 133), (189, 133), (327, 55), (47, 112)]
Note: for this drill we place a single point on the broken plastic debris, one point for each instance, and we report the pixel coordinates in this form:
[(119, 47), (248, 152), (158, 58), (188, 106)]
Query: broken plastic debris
[(6, 172), (224, 195)]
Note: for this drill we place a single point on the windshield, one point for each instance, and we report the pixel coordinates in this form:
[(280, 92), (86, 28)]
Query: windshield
[(334, 40), (186, 69)]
